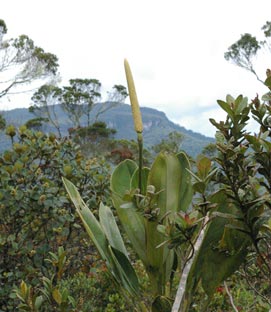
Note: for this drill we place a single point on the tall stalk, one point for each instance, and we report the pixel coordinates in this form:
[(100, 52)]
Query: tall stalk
[(137, 118)]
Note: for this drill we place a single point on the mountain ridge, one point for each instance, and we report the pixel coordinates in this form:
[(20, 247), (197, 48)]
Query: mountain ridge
[(156, 125)]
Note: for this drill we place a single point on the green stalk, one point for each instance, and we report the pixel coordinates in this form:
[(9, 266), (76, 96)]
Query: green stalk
[(140, 160)]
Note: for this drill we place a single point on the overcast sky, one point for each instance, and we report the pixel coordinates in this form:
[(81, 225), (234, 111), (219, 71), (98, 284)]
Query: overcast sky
[(175, 48)]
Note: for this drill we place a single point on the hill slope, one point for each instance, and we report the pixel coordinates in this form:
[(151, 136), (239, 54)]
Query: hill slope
[(156, 126)]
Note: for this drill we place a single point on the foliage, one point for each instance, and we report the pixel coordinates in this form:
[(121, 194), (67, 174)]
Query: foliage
[(242, 53), (36, 124), (144, 199), (2, 123), (156, 126), (245, 299), (79, 97), (124, 149), (171, 144), (242, 224), (35, 214), (94, 292), (51, 296), (80, 292), (118, 94), (210, 150), (29, 61), (44, 104)]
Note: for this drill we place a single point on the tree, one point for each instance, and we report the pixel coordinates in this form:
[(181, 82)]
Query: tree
[(210, 150), (242, 53), (118, 94), (45, 102), (171, 144), (36, 123), (2, 122), (79, 97), (22, 62)]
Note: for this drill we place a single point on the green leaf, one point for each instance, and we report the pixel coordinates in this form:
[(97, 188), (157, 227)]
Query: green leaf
[(161, 303), (186, 190), (90, 222), (144, 177), (204, 166), (57, 296), (102, 236), (268, 82), (131, 220), (199, 187), (120, 181), (126, 271), (111, 229), (38, 302), (226, 107), (169, 177), (210, 259)]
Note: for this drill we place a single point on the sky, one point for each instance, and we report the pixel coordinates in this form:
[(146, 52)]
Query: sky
[(175, 49)]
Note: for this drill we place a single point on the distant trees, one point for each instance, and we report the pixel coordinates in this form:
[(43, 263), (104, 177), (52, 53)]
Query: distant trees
[(22, 62), (171, 144), (242, 53), (77, 100), (44, 104), (118, 94)]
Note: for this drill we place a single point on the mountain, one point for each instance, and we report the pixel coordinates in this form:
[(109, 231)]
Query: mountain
[(156, 125)]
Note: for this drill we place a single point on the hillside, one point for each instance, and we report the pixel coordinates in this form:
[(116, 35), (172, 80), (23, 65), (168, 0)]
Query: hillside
[(156, 126)]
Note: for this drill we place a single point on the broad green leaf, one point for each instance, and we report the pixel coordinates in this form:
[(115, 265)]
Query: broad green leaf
[(230, 99), (170, 178), (186, 190), (98, 235), (226, 107), (241, 105), (211, 265), (121, 178), (131, 220), (126, 271), (199, 187), (38, 302), (166, 176), (204, 166), (134, 180), (91, 224), (111, 229)]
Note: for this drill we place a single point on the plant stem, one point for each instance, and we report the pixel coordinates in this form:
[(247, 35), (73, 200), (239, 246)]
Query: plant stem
[(180, 295), (230, 296), (140, 160)]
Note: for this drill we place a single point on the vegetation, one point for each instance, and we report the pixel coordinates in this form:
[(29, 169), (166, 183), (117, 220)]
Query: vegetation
[(182, 234), (30, 61), (223, 229), (157, 126), (244, 51), (35, 215)]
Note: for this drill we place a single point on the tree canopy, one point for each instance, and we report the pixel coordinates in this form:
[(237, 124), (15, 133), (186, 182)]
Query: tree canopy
[(244, 51), (22, 62)]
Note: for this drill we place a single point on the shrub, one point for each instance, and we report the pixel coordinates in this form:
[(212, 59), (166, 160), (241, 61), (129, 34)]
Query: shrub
[(35, 214)]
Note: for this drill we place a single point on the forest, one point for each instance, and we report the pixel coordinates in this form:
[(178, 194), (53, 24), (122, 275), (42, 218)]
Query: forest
[(90, 222)]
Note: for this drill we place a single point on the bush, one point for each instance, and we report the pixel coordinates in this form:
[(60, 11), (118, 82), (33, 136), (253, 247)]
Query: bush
[(35, 214)]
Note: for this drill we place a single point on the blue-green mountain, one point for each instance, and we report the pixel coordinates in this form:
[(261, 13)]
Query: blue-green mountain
[(156, 126)]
